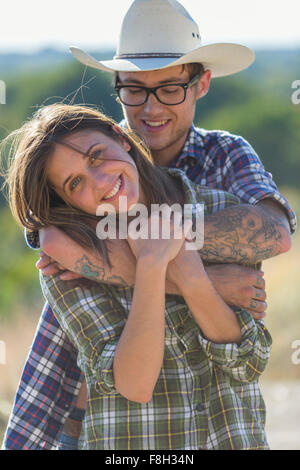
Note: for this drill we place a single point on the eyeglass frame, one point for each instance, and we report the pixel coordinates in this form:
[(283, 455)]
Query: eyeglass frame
[(152, 90)]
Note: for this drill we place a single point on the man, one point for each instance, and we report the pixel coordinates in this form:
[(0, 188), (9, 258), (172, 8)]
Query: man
[(159, 80)]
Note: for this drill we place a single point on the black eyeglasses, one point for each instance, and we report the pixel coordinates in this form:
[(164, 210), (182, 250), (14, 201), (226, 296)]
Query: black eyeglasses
[(172, 94)]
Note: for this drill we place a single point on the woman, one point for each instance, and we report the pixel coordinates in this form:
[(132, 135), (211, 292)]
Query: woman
[(162, 371)]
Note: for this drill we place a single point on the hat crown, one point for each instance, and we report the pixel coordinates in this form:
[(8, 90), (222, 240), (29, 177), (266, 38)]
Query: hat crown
[(157, 34), (157, 27)]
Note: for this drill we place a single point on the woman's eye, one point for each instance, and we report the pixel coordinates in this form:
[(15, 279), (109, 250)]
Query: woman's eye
[(74, 183), (95, 156)]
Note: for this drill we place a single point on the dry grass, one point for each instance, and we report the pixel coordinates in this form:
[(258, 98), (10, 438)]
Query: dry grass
[(17, 336), (282, 275)]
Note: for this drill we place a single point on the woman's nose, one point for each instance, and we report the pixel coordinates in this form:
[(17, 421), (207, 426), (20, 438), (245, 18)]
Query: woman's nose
[(102, 178), (97, 179)]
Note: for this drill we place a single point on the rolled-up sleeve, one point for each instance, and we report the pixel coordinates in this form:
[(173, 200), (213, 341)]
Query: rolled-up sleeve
[(103, 368), (244, 361), (246, 177), (92, 322)]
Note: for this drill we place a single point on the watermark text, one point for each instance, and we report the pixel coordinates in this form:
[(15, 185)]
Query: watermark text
[(296, 354), (2, 92), (163, 222), (296, 94), (2, 353)]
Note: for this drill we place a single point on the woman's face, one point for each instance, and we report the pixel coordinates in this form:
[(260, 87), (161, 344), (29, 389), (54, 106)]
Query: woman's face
[(87, 169)]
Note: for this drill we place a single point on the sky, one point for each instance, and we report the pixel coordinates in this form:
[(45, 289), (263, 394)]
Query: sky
[(27, 26)]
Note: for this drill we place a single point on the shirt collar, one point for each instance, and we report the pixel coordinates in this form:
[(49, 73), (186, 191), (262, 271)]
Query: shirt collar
[(192, 151), (190, 195)]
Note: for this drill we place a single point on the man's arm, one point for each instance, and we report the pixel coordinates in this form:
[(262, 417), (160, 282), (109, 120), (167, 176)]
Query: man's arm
[(241, 234), (249, 291), (246, 234), (89, 264), (244, 286)]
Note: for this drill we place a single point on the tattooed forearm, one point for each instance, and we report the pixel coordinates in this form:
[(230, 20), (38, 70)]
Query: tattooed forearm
[(243, 234), (87, 269)]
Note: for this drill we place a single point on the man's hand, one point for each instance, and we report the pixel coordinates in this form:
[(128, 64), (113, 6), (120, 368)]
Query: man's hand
[(49, 267), (240, 286)]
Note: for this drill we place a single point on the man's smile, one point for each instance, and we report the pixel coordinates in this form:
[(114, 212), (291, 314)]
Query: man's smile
[(154, 126)]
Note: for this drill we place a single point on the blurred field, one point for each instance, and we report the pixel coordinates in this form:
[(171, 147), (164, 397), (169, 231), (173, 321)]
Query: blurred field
[(280, 382), (17, 335)]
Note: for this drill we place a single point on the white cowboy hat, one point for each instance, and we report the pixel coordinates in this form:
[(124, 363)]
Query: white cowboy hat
[(157, 34)]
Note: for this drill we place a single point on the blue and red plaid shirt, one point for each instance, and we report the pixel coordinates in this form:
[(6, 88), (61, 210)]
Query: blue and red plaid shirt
[(51, 379)]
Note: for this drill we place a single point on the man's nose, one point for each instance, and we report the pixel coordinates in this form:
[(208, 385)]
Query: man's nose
[(152, 103)]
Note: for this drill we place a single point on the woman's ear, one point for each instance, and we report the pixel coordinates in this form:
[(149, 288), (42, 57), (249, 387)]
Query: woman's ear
[(122, 138)]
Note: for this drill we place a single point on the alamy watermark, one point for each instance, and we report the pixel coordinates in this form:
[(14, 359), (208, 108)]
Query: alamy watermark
[(163, 221), (296, 354), (296, 94), (2, 92), (2, 353)]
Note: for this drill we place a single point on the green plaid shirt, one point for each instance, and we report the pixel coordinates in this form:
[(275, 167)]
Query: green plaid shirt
[(207, 395)]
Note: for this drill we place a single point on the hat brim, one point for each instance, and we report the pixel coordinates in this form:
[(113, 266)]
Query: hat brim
[(221, 59)]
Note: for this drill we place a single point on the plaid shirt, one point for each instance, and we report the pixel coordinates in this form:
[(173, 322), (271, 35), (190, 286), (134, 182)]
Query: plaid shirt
[(51, 379), (198, 381)]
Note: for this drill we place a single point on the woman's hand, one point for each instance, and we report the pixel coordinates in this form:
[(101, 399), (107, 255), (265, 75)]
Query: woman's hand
[(49, 267), (159, 249)]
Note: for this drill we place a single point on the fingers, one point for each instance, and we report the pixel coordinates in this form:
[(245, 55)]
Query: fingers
[(259, 294), (43, 261), (257, 306), (54, 268), (47, 265), (69, 276), (259, 281), (255, 296), (50, 269), (257, 316)]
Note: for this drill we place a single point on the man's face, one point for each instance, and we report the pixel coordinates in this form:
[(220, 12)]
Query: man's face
[(163, 127)]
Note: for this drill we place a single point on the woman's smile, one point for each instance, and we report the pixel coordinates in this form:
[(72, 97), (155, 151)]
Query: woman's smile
[(116, 191)]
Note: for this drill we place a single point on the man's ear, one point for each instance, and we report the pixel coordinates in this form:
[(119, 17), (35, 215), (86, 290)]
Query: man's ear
[(203, 84), (122, 138)]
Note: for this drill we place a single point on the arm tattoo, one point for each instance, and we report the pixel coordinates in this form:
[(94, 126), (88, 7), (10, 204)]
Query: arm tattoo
[(242, 234), (87, 269)]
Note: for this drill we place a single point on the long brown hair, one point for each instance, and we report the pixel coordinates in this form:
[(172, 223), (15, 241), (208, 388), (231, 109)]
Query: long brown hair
[(33, 201)]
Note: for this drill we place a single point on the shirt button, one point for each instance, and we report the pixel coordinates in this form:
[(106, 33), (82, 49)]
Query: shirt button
[(180, 330), (200, 407)]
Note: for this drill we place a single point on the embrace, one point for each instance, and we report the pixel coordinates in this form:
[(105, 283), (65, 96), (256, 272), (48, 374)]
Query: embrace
[(144, 343)]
